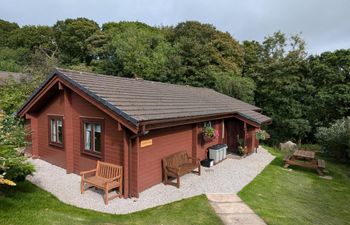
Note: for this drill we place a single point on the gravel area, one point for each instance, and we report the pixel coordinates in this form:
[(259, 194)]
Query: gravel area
[(229, 176)]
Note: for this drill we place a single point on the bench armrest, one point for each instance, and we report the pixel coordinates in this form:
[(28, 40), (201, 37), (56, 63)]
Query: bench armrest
[(87, 172), (112, 179)]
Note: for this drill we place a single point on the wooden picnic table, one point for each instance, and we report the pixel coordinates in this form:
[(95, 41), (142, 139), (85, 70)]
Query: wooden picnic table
[(305, 159), (307, 155)]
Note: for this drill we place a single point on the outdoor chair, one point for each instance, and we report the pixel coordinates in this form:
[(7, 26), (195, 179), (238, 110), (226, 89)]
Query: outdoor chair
[(106, 176)]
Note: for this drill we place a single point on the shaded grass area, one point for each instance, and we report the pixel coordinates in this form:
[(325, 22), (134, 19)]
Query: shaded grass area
[(300, 196), (27, 204)]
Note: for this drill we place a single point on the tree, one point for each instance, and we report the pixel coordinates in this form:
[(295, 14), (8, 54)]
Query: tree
[(5, 30), (280, 71), (71, 36), (204, 51), (330, 75), (131, 50), (32, 37)]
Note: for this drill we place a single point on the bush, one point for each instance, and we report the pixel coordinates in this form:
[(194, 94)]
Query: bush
[(311, 147), (15, 167), (13, 131), (335, 140)]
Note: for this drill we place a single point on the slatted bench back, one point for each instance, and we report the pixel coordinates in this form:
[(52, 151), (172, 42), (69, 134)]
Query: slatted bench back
[(107, 170), (176, 160)]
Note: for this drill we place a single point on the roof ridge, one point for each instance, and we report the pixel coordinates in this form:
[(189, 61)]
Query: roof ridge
[(129, 78)]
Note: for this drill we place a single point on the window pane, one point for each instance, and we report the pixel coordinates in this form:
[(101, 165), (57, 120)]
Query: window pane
[(97, 141), (53, 130), (87, 141), (60, 131)]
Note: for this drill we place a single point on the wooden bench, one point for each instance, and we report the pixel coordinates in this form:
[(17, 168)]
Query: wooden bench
[(179, 164), (106, 176)]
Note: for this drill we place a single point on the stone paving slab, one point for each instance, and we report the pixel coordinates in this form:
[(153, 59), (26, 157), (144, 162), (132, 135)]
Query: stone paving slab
[(232, 210), (223, 197)]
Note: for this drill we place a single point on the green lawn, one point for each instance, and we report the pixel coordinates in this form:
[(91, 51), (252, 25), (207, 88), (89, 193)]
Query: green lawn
[(300, 196), (27, 204)]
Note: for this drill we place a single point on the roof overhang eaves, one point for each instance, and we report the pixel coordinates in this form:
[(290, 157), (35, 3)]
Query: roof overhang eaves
[(99, 99), (61, 76), (170, 122), (21, 111), (259, 122)]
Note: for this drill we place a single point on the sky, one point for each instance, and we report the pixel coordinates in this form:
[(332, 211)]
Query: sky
[(324, 24)]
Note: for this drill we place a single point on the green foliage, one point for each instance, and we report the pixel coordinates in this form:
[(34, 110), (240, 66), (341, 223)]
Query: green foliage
[(13, 131), (262, 135), (14, 93), (280, 70), (236, 86), (330, 74), (335, 140), (31, 37), (71, 36), (241, 147), (135, 51), (13, 60), (209, 131), (203, 52), (311, 147), (5, 30), (16, 167)]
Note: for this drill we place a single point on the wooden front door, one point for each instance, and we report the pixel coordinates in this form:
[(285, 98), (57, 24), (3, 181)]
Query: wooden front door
[(233, 127)]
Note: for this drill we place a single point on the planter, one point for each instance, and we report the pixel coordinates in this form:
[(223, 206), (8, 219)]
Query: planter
[(207, 139)]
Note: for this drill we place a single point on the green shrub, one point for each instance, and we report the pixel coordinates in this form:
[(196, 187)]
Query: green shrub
[(16, 167), (335, 140), (13, 131), (311, 147)]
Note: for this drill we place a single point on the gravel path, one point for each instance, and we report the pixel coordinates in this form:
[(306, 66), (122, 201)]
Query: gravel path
[(230, 176)]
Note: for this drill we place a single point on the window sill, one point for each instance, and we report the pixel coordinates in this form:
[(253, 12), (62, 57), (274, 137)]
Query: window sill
[(56, 145), (91, 154)]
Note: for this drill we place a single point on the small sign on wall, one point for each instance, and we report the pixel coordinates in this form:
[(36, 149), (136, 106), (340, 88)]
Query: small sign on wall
[(145, 143)]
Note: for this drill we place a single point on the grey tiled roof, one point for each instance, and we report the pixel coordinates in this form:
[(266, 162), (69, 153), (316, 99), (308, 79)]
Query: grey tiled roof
[(140, 100)]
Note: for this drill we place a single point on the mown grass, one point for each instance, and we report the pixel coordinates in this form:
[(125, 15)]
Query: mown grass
[(27, 204), (300, 196)]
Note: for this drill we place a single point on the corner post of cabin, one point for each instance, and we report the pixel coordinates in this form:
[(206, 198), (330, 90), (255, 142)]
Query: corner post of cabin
[(195, 140), (34, 134), (125, 162), (134, 189), (68, 131)]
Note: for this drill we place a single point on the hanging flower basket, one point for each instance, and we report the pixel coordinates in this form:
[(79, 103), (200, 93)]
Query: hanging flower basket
[(209, 134), (262, 135), (207, 139)]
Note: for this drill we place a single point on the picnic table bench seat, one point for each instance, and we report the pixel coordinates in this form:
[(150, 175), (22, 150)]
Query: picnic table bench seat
[(305, 159), (106, 176), (179, 164), (321, 166)]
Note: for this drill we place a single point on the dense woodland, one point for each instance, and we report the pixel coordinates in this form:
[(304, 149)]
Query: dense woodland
[(301, 92)]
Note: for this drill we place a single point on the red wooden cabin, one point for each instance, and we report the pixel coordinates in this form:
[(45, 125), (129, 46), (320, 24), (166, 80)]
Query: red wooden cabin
[(78, 118)]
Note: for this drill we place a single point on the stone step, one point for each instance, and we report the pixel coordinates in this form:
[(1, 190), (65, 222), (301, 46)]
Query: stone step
[(232, 210), (216, 197)]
